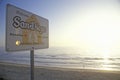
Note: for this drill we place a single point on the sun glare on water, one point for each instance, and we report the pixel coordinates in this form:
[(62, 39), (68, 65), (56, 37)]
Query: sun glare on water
[(106, 62)]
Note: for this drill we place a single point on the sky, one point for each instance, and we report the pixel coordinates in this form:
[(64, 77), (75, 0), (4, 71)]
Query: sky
[(87, 24)]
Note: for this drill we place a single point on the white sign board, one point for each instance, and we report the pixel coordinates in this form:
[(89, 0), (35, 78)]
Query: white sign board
[(25, 30)]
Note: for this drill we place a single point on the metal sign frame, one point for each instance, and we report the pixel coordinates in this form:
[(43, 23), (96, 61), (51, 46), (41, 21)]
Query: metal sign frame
[(25, 30)]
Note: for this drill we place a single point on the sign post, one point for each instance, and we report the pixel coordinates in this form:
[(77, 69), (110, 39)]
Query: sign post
[(32, 63), (25, 31)]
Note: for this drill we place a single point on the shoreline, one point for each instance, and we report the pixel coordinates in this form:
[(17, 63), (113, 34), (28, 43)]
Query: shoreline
[(60, 68), (13, 71)]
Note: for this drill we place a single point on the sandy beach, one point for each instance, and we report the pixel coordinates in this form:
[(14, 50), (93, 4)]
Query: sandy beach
[(10, 71)]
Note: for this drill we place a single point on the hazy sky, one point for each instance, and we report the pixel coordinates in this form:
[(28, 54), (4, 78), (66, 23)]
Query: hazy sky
[(88, 24)]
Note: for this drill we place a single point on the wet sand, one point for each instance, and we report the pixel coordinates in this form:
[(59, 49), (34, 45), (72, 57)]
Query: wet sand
[(11, 71)]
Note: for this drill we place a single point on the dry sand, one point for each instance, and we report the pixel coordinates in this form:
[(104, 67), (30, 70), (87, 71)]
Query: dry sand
[(11, 71)]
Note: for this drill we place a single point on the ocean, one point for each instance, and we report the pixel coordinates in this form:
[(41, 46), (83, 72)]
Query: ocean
[(63, 58)]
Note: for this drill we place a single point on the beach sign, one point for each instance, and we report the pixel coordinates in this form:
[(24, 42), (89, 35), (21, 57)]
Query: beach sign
[(25, 30)]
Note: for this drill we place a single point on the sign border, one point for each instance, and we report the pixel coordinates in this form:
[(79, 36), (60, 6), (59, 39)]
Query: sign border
[(7, 30)]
